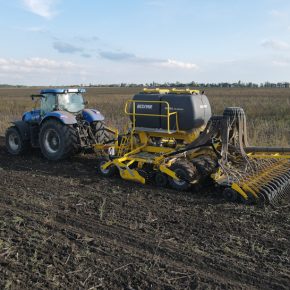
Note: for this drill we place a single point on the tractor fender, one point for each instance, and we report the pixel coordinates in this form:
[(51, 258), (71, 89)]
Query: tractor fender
[(23, 129), (31, 116), (92, 115), (64, 117)]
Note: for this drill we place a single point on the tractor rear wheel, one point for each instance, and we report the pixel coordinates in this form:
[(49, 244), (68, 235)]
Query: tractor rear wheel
[(15, 143), (185, 171), (58, 141)]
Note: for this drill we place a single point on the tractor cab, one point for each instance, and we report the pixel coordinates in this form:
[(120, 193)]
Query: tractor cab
[(69, 100), (51, 100)]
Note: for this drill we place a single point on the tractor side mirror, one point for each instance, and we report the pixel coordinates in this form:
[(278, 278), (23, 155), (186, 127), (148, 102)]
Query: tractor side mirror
[(36, 96)]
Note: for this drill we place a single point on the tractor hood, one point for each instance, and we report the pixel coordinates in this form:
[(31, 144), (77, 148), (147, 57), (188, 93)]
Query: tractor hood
[(65, 117), (32, 116), (92, 115)]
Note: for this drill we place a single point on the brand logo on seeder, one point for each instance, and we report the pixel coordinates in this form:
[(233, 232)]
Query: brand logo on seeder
[(142, 106)]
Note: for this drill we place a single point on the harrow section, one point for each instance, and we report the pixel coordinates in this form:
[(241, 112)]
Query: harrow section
[(268, 182), (257, 174)]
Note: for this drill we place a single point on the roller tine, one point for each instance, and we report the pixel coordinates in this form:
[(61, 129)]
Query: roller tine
[(280, 180), (286, 185), (274, 191), (283, 190), (287, 188), (266, 191)]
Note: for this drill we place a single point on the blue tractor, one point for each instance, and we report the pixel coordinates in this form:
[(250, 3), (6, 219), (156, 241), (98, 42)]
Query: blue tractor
[(59, 125)]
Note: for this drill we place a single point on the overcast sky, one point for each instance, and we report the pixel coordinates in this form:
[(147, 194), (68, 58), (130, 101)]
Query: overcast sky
[(57, 42)]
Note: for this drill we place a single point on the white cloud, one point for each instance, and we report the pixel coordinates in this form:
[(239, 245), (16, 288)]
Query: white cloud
[(171, 63), (281, 63), (33, 29), (65, 47), (132, 58), (276, 44), (34, 64), (43, 8), (278, 13)]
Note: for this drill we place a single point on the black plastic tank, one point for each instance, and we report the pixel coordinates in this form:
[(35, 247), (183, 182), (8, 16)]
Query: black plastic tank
[(193, 111), (147, 108)]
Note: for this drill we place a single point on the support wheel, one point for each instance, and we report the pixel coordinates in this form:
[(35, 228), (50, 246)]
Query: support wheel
[(109, 171), (230, 194), (185, 171), (15, 144), (161, 179)]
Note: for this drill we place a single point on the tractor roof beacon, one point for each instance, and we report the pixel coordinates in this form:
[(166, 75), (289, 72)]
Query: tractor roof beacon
[(59, 124)]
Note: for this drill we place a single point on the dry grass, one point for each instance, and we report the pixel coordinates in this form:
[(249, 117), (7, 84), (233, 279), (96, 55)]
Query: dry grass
[(268, 110)]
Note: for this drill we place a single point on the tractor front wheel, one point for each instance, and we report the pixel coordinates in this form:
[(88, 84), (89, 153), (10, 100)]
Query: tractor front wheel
[(58, 141), (15, 144)]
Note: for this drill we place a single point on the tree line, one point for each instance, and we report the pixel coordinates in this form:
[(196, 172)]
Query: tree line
[(238, 84)]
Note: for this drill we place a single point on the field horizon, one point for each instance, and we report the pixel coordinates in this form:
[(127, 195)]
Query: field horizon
[(267, 109)]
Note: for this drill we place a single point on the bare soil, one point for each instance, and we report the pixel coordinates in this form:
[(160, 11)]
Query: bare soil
[(64, 227)]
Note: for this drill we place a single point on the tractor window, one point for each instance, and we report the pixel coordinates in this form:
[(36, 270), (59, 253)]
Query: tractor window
[(71, 102), (48, 103)]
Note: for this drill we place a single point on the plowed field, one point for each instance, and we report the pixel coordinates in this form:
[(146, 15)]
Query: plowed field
[(64, 227)]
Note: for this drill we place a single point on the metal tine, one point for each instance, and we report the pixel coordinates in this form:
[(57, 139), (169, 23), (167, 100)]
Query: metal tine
[(280, 181), (282, 192), (268, 191)]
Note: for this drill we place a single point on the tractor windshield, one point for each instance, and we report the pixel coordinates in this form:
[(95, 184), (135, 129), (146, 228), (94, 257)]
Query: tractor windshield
[(71, 102)]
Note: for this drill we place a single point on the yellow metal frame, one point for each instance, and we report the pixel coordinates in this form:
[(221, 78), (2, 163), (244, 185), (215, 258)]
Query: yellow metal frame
[(168, 115), (172, 91), (264, 155), (184, 91), (128, 157), (251, 185), (156, 91)]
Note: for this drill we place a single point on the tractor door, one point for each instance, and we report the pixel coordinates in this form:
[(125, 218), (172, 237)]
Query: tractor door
[(48, 103)]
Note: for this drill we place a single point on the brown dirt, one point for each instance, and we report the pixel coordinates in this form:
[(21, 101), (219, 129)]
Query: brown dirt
[(64, 227)]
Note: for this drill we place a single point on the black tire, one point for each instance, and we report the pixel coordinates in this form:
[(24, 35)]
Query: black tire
[(109, 172), (185, 171), (58, 141), (14, 142), (102, 134), (205, 165), (161, 179), (230, 195)]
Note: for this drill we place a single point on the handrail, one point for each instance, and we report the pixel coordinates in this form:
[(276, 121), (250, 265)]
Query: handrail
[(167, 115)]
